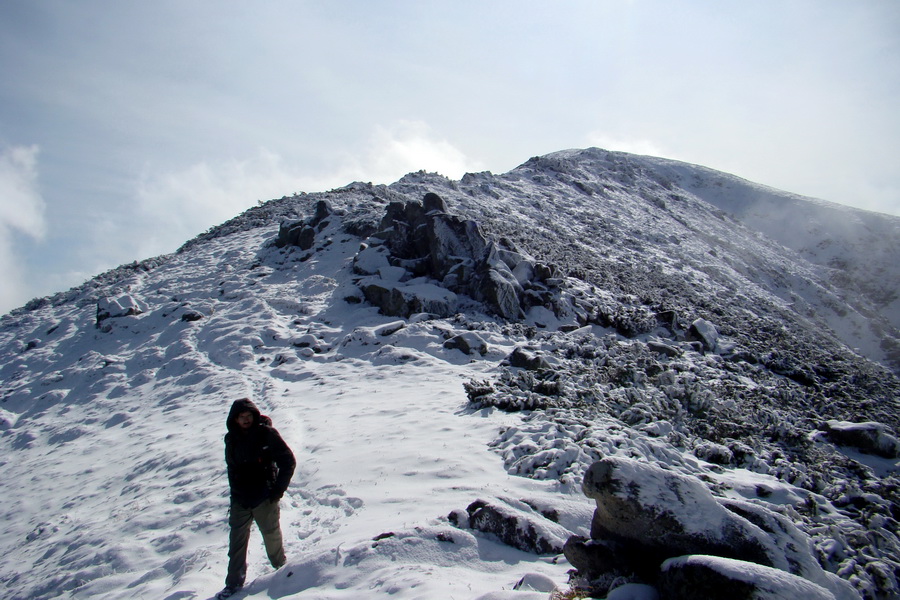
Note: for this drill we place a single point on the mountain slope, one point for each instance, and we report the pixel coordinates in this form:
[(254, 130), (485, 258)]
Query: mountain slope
[(111, 445)]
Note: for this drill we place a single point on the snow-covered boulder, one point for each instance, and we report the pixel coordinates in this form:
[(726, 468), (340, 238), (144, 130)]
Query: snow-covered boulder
[(467, 343), (647, 515), (706, 333), (869, 438), (717, 578), (794, 544), (119, 306), (371, 259), (399, 300), (518, 525), (652, 514)]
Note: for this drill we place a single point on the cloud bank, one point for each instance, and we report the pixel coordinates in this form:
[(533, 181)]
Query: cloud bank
[(22, 212), (174, 206)]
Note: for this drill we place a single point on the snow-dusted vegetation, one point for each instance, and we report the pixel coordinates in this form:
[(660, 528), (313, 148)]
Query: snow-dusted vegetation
[(505, 387)]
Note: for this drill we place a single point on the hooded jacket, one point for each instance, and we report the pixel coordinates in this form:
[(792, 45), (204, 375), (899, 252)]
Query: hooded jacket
[(260, 465)]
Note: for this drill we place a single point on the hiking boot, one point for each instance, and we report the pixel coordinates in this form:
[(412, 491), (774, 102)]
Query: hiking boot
[(228, 591)]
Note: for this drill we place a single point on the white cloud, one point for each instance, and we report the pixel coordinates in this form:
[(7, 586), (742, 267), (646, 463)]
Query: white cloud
[(405, 147), (175, 206), (625, 144), (22, 210)]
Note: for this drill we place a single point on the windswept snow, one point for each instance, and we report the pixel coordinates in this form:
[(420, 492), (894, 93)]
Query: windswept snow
[(114, 440)]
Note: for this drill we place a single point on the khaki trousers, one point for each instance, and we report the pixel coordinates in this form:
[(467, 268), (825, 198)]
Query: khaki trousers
[(267, 516)]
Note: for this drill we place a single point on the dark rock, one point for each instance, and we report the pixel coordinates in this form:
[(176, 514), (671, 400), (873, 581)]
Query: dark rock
[(432, 202), (306, 238), (467, 343), (303, 233), (594, 558), (717, 578), (525, 359), (664, 349), (519, 527), (323, 211), (869, 438)]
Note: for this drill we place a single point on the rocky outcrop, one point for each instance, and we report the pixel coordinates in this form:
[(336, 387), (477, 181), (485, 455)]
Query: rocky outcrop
[(303, 233), (647, 515), (422, 244)]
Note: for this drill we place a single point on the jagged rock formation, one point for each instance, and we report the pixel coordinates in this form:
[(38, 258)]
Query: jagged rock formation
[(420, 257)]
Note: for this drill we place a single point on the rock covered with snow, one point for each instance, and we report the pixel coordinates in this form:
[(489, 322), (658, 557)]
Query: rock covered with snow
[(870, 437), (118, 306), (423, 243), (515, 524), (647, 515), (718, 578), (706, 333)]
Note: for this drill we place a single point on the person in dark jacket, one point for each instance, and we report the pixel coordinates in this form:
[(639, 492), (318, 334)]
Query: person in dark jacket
[(260, 466)]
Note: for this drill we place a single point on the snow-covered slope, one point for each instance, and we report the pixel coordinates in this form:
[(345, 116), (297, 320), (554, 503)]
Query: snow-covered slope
[(111, 459)]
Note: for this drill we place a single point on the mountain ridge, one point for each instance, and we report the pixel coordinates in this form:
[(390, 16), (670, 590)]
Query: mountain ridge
[(677, 335)]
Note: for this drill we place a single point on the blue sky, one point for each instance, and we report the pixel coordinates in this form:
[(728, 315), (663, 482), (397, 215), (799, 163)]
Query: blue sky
[(127, 128)]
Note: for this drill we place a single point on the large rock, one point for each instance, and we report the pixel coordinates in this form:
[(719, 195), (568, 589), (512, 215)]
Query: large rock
[(793, 544), (119, 306), (717, 578), (426, 241), (653, 514), (869, 438), (399, 300), (646, 515), (706, 333), (518, 526)]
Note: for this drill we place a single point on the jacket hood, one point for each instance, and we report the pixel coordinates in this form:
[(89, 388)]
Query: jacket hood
[(244, 405)]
